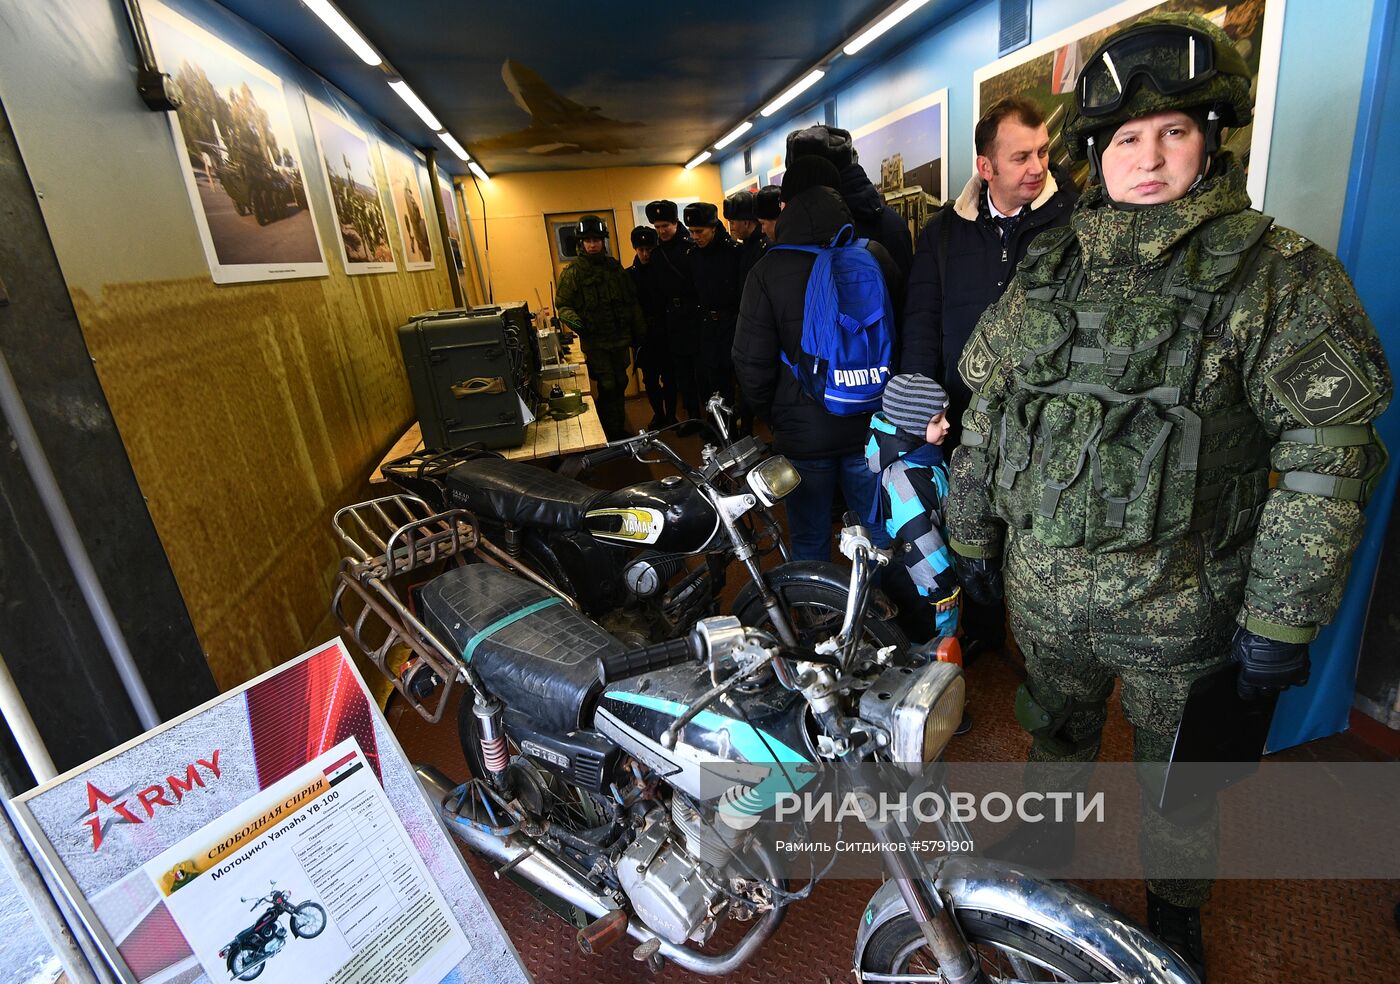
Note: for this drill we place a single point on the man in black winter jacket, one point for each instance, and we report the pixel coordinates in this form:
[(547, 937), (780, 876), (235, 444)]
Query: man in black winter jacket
[(716, 268), (677, 291), (826, 449), (966, 255), (872, 218), (739, 212), (652, 353)]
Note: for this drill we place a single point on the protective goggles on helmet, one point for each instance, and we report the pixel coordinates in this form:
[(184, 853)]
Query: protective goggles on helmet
[(1175, 59)]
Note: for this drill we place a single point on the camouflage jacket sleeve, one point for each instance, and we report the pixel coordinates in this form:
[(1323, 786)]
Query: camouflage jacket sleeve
[(973, 527), (1316, 378), (569, 297)]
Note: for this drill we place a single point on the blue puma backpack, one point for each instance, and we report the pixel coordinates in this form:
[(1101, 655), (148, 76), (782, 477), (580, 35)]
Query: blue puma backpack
[(847, 327)]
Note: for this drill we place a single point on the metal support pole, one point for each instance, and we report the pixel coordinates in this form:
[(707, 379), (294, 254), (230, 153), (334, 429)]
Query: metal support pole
[(29, 883), (32, 452), (453, 277), (16, 715)]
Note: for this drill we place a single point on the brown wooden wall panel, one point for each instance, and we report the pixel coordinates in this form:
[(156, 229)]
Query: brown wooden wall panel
[(251, 413)]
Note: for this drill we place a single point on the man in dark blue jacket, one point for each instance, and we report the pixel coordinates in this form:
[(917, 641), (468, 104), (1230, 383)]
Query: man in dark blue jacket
[(872, 218), (967, 254)]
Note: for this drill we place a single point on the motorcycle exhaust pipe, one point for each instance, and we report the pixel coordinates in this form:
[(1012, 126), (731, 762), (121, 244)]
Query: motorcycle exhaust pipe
[(537, 867)]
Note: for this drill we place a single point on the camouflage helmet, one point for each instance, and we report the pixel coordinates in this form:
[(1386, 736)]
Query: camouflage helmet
[(591, 227), (1150, 54)]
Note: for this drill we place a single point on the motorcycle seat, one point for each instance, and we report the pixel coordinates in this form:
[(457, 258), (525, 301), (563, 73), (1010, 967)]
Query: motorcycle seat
[(520, 494), (532, 650)]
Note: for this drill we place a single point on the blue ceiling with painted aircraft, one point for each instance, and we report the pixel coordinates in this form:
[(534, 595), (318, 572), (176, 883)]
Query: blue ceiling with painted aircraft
[(553, 85)]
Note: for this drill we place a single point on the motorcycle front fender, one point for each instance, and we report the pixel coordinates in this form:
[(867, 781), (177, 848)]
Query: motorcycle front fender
[(821, 572), (1057, 908)]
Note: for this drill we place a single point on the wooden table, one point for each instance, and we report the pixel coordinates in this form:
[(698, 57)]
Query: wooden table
[(545, 438)]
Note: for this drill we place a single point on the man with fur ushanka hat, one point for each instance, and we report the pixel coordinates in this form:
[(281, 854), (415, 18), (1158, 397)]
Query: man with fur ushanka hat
[(652, 353), (1119, 474), (767, 206), (715, 267), (676, 288)]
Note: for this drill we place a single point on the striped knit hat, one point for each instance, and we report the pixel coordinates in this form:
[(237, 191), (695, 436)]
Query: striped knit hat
[(911, 401)]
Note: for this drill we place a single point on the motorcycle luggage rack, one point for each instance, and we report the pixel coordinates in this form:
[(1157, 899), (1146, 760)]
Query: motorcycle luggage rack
[(388, 537)]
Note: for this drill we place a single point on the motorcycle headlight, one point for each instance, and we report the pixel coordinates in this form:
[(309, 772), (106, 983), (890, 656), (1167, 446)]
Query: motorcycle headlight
[(919, 708), (773, 479)]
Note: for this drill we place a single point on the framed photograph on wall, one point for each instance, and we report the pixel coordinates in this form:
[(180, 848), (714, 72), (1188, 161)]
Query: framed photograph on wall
[(748, 184), (1046, 72), (905, 153), (412, 206), (239, 157), (362, 229), (454, 223)]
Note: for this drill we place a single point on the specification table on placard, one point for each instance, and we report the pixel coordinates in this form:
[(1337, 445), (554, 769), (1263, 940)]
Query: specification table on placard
[(360, 865)]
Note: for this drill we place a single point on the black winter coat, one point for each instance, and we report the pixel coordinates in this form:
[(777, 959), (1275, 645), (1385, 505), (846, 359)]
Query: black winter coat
[(675, 286), (938, 321), (770, 322), (645, 278), (717, 273), (876, 221), (750, 252)]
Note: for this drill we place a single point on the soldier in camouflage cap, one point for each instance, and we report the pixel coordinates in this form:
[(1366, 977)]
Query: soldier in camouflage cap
[(597, 299), (1144, 375)]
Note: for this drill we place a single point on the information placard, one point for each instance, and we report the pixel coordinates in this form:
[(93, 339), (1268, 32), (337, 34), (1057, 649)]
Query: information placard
[(276, 833)]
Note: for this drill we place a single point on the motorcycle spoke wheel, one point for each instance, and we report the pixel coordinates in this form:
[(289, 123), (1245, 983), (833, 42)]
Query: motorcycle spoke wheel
[(309, 920), (245, 966), (1008, 951)]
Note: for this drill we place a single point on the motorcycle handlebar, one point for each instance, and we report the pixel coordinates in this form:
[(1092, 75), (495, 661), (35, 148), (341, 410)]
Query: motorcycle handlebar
[(610, 453), (634, 662)]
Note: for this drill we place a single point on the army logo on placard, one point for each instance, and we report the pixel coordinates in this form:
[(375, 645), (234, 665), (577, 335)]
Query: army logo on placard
[(1320, 384)]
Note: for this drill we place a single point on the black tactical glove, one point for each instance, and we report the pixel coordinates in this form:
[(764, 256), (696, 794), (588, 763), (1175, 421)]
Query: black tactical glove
[(1267, 666), (980, 578)]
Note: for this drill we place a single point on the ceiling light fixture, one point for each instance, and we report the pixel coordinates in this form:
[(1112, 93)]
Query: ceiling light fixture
[(733, 135), (882, 25), (806, 82), (699, 160), (476, 169), (344, 30), (450, 142), (414, 103)]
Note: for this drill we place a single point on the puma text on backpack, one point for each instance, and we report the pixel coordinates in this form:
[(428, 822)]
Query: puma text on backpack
[(847, 327)]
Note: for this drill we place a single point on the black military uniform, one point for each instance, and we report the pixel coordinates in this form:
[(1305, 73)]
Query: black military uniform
[(652, 353), (677, 291), (739, 209), (716, 271)]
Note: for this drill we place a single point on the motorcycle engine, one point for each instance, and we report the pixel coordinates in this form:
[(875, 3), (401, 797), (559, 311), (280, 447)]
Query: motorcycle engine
[(274, 941), (672, 888)]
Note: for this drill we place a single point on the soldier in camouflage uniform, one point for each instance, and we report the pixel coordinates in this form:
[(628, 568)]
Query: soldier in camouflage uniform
[(1148, 369), (597, 300)]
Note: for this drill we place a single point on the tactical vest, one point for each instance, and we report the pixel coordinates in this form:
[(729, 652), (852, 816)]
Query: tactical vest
[(1098, 444)]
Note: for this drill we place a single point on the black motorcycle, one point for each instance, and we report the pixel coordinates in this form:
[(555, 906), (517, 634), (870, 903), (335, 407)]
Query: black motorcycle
[(252, 948), (623, 784), (646, 562)]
